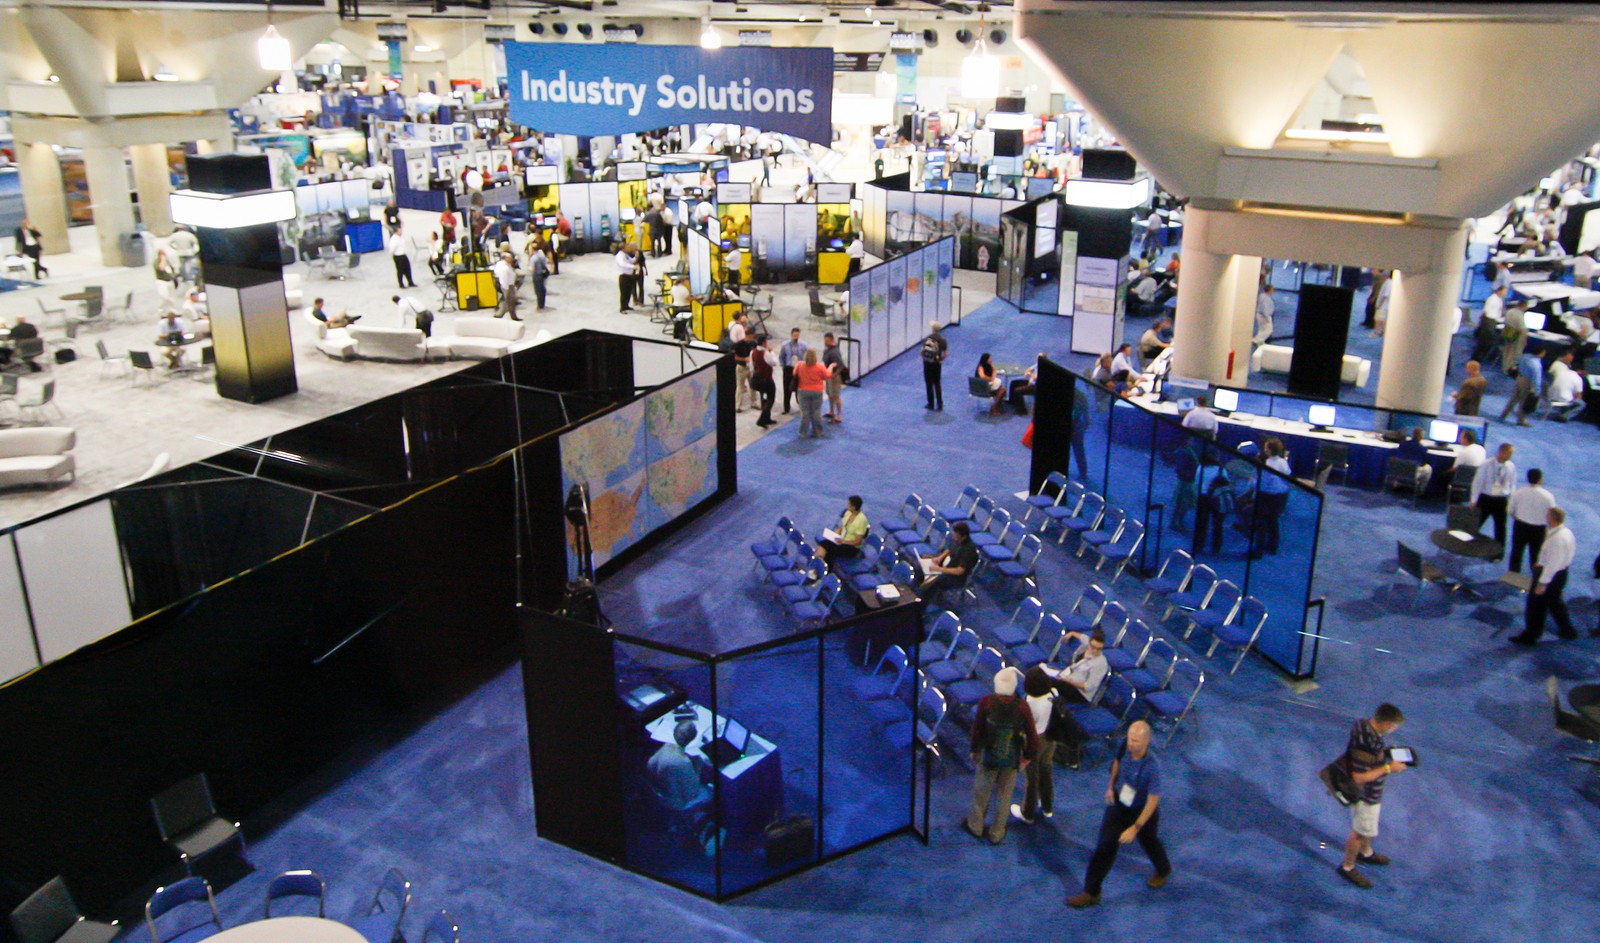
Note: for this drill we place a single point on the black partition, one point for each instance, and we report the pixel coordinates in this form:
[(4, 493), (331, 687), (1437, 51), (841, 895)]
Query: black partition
[(1321, 327), (290, 598), (1145, 464), (780, 738)]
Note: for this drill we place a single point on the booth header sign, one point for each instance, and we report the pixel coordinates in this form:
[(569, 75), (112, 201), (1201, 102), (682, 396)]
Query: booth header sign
[(590, 90)]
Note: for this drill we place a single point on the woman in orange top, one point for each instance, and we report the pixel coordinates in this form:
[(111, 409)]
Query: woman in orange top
[(812, 378)]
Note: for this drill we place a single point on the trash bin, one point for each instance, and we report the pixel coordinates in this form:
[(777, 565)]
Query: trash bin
[(133, 252)]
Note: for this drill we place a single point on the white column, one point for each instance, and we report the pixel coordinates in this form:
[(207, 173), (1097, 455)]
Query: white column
[(44, 194), (153, 180), (1216, 307), (107, 174), (1416, 345)]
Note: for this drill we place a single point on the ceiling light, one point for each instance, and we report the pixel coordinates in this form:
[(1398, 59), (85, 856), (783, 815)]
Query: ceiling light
[(709, 38), (980, 72), (273, 51), (422, 47), (54, 77), (1324, 134), (163, 74)]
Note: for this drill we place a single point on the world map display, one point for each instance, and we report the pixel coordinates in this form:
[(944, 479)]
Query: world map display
[(644, 464)]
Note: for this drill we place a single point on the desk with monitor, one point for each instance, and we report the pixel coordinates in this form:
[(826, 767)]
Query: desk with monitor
[(749, 767)]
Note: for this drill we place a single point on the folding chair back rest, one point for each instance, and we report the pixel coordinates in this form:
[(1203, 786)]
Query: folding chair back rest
[(46, 915), (901, 574), (296, 884), (183, 806)]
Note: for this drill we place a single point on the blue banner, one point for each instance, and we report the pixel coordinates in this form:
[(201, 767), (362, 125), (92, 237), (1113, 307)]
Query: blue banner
[(591, 89)]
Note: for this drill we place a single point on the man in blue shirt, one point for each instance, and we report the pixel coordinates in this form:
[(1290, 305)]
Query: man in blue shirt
[(1133, 797), (1369, 765), (790, 354)]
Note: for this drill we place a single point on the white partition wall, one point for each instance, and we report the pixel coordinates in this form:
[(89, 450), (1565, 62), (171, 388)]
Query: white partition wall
[(72, 566), (17, 654)]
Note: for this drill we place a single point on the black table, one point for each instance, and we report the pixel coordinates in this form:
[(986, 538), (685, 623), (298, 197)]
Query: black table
[(1478, 547), (175, 343), (1585, 699)]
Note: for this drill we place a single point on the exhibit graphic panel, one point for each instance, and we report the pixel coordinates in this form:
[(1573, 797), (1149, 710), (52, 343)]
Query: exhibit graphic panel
[(892, 303), (590, 89)]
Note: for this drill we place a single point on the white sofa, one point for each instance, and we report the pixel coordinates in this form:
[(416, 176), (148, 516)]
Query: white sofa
[(480, 337), (335, 342), (293, 290), (38, 456), (1274, 358), (388, 343)]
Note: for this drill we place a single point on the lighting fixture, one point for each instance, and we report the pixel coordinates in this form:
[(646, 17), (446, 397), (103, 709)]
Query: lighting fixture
[(1325, 134), (163, 74), (422, 47), (709, 38), (980, 72), (231, 210), (1110, 194), (273, 51)]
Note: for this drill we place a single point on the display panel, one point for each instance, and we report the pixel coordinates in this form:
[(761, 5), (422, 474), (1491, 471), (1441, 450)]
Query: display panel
[(75, 583), (16, 631)]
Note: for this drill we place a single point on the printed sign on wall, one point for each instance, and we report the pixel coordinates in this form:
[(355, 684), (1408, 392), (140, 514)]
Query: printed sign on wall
[(589, 90)]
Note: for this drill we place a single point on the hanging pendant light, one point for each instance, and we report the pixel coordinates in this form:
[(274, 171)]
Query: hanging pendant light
[(980, 72), (274, 52), (710, 38)]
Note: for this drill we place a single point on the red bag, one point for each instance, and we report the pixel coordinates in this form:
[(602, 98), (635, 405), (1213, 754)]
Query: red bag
[(1027, 437)]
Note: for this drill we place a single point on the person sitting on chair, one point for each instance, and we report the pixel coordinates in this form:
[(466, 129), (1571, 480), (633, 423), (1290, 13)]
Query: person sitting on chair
[(1414, 450), (953, 565), (852, 530), (680, 782), (986, 372)]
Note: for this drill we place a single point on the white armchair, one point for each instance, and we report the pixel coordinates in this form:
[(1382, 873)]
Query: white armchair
[(38, 456)]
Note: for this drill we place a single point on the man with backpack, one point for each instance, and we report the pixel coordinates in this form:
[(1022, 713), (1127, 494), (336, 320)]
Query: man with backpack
[(1003, 743), (934, 351), (1133, 797)]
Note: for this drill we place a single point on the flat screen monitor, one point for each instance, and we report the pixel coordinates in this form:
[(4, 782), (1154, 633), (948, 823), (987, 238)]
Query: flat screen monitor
[(1225, 400), (1533, 320), (744, 242), (549, 222), (725, 245), (1321, 415), (836, 243), (1185, 404), (1442, 430), (730, 746)]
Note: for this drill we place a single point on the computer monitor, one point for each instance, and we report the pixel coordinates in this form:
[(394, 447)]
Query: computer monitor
[(1443, 430), (744, 242), (1185, 404), (726, 245), (836, 243), (1321, 416), (1225, 400), (730, 746), (1533, 320)]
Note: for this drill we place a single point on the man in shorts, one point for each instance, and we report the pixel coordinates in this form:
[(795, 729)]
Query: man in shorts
[(1370, 766)]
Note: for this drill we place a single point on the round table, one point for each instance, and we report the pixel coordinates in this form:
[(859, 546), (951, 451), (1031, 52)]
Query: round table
[(290, 930), (82, 296), (1478, 547), (175, 343)]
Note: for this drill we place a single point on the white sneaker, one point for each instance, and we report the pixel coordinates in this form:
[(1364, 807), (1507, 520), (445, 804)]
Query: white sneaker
[(1049, 815), (1016, 813)]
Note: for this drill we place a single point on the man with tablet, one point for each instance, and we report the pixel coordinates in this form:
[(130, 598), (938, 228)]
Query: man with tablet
[(1370, 761)]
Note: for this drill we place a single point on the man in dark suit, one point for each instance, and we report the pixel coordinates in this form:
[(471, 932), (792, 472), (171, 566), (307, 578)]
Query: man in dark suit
[(29, 244)]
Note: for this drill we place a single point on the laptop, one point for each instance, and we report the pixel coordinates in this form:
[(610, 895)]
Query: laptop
[(730, 746)]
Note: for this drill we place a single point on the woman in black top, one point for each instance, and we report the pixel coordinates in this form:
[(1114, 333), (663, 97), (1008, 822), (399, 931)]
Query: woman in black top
[(986, 372)]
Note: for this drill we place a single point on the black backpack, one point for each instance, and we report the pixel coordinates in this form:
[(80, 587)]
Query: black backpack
[(1006, 735), (930, 349)]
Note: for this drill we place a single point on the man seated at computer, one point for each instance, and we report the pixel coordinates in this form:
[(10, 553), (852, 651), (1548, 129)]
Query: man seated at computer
[(170, 334), (681, 781), (1415, 450), (951, 568), (1566, 389)]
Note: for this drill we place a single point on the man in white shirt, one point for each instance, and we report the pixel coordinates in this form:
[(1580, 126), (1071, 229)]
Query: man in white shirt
[(736, 330), (402, 259), (1494, 306), (1123, 361), (412, 313), (1527, 507), (734, 262), (505, 279), (1201, 419), (1265, 309), (1549, 581), (1492, 486), (1566, 389), (856, 251)]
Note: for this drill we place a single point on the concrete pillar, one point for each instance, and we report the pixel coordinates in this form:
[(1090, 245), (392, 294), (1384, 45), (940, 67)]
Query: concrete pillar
[(107, 173), (153, 180), (44, 195), (1216, 307), (1416, 345)]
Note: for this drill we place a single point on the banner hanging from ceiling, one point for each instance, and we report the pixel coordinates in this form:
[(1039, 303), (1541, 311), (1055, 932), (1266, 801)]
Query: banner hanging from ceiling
[(591, 89)]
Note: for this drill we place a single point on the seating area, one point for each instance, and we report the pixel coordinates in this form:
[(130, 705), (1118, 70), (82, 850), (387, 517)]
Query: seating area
[(1275, 358), (38, 456)]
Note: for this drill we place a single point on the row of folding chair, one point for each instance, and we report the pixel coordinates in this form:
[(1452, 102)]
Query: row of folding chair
[(789, 562), (1107, 531), (1208, 602)]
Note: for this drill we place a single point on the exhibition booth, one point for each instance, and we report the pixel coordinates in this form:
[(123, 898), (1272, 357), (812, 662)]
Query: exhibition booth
[(894, 219), (256, 614), (894, 304)]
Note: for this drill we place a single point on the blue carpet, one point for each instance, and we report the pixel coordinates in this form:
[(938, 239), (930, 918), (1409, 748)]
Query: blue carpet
[(1488, 836)]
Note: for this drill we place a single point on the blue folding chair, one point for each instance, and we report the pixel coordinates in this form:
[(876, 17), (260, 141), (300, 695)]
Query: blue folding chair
[(1102, 719), (184, 912), (1176, 702), (1091, 511), (902, 574), (1113, 621), (982, 514), (1070, 507), (1123, 651), (807, 566), (1242, 632), (805, 587), (819, 605), (999, 519), (381, 922), (1021, 568), (966, 501), (941, 635), (924, 729), (1220, 608), (897, 705), (906, 517), (1005, 548), (1202, 583), (306, 884), (1122, 551), (1086, 610), (1105, 532), (920, 524), (788, 557), (938, 537), (1044, 645), (1173, 577), (958, 664), (1024, 623), (871, 579), (969, 692), (441, 929), (1051, 491), (773, 544), (1154, 667), (864, 562), (885, 677)]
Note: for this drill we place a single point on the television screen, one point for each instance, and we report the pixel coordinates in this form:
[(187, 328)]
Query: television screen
[(1441, 430), (1227, 400), (1533, 320), (1321, 415)]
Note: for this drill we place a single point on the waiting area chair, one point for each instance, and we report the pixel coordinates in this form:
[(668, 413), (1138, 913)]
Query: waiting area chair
[(49, 915), (185, 912), (381, 921), (441, 928), (295, 884), (189, 823), (1410, 562)]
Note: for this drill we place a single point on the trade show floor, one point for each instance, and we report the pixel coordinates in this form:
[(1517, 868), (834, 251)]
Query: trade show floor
[(1482, 834)]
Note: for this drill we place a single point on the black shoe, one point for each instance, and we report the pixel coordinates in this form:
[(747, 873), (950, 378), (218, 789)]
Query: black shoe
[(1354, 877), (1523, 640)]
